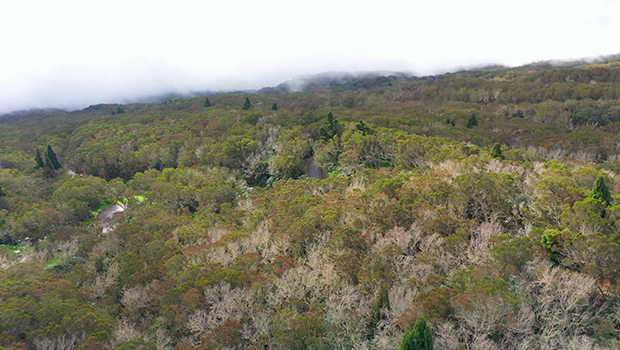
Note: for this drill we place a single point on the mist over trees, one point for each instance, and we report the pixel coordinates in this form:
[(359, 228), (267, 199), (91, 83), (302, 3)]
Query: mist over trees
[(427, 232)]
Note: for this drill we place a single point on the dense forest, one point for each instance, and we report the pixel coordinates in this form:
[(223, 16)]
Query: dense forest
[(471, 210)]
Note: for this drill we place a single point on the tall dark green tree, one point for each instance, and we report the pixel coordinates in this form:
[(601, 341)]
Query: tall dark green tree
[(39, 160), (419, 338), (497, 151), (376, 312), (53, 160), (472, 121), (601, 191), (2, 193), (207, 103), (330, 128), (361, 126), (247, 105), (274, 106)]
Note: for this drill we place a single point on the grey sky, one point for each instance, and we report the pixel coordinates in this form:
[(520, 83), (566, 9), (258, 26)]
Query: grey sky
[(70, 54)]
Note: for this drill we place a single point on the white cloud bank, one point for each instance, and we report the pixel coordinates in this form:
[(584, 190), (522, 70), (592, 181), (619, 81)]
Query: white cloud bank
[(69, 54)]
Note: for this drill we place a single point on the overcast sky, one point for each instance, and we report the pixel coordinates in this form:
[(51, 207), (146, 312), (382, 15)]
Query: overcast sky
[(71, 54)]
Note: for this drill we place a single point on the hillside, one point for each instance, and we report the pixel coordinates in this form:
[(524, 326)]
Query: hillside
[(486, 201)]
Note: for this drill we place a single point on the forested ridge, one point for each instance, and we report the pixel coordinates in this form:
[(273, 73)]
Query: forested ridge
[(470, 210)]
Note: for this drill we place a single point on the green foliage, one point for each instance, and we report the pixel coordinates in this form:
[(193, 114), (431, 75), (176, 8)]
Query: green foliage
[(472, 121), (135, 344), (419, 338), (274, 106), (225, 244), (247, 104), (553, 242), (513, 253), (207, 103), (330, 129), (377, 312), (50, 156), (39, 160), (497, 151), (362, 127), (600, 190)]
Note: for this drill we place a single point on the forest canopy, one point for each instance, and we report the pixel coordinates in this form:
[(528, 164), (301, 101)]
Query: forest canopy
[(477, 209)]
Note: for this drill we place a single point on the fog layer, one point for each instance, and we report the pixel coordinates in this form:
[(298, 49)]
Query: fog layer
[(70, 54)]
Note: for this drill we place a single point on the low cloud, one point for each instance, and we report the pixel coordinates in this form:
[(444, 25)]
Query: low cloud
[(70, 54)]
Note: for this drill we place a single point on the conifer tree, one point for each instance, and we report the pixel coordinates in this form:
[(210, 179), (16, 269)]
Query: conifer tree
[(497, 151), (419, 338), (39, 159), (50, 157), (2, 193), (473, 121), (274, 106), (376, 313), (362, 127), (247, 105), (120, 110), (330, 129), (601, 191), (207, 103)]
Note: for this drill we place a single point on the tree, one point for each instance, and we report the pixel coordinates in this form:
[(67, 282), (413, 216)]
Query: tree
[(247, 105), (552, 242), (120, 110), (362, 127), (330, 129), (601, 191), (376, 312), (39, 159), (472, 121), (208, 103), (419, 338), (497, 151), (274, 106), (2, 193), (53, 160)]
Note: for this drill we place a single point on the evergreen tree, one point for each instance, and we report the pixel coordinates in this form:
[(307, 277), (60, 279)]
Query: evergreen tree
[(207, 103), (362, 127), (601, 191), (2, 193), (50, 157), (419, 338), (274, 106), (120, 110), (330, 128), (472, 121), (497, 151), (376, 312), (39, 159), (247, 105)]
